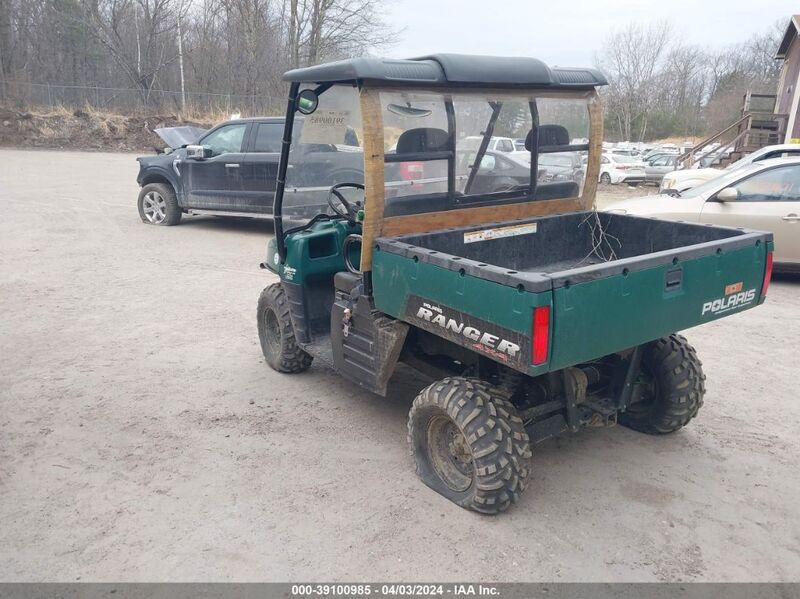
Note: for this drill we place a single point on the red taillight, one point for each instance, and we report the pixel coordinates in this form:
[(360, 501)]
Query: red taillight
[(411, 170), (541, 335), (767, 275)]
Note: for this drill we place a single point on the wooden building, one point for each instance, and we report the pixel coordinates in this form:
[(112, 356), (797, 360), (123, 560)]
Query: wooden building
[(788, 100)]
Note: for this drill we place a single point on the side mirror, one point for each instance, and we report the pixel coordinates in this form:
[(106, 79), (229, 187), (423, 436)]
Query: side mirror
[(195, 152), (729, 194), (307, 101)]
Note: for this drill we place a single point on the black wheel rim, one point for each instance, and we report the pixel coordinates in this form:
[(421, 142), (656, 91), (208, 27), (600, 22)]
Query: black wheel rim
[(272, 332), (449, 454)]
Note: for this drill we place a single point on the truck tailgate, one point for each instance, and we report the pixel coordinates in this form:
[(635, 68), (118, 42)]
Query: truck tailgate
[(600, 316)]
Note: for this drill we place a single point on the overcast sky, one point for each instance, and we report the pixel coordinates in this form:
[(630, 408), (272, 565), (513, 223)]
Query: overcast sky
[(569, 32)]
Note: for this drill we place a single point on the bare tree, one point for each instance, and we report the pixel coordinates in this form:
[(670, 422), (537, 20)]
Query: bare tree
[(323, 29), (632, 57), (663, 87)]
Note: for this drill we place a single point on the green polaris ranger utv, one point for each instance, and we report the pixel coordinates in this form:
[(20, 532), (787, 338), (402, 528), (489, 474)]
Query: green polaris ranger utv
[(483, 269)]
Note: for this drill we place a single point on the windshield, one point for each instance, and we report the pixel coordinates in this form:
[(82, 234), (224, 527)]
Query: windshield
[(623, 159), (740, 163), (326, 150)]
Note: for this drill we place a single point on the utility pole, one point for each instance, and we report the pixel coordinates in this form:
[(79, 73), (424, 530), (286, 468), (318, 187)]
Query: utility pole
[(180, 64), (138, 45)]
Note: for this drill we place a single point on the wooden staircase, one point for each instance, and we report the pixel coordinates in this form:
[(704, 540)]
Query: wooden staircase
[(758, 126)]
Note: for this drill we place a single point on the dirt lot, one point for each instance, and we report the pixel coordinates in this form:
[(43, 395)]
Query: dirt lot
[(142, 437)]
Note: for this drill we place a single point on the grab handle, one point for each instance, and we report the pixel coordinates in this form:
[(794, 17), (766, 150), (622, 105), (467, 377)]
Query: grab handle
[(348, 241)]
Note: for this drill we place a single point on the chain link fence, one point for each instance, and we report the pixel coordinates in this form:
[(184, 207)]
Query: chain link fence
[(25, 96)]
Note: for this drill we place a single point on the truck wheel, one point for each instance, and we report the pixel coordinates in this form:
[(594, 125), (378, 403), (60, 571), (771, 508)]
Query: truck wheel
[(158, 205), (469, 444), (276, 333), (675, 385)]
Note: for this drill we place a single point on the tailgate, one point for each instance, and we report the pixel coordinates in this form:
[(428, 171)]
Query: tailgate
[(644, 298)]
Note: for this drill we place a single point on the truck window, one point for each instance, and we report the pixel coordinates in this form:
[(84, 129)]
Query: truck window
[(225, 140), (268, 137)]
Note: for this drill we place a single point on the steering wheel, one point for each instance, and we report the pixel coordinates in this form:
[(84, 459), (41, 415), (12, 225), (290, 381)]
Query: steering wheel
[(350, 210)]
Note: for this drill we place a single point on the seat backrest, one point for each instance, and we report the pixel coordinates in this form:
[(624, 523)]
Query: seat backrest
[(549, 135), (422, 140), (557, 190)]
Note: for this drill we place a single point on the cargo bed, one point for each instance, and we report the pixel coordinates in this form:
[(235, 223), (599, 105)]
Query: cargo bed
[(612, 281)]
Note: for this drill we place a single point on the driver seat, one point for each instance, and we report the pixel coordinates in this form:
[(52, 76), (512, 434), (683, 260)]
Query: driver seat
[(552, 135), (549, 135), (422, 141), (412, 144)]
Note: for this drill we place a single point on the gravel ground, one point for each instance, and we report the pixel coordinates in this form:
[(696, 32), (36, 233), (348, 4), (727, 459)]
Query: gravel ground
[(142, 437)]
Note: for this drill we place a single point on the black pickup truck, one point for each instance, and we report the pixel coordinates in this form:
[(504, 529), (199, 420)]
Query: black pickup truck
[(235, 175)]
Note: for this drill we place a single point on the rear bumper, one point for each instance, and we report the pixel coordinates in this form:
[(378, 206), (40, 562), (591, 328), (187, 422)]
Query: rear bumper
[(619, 177), (633, 178)]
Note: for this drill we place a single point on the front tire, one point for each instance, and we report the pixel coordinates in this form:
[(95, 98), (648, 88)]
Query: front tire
[(158, 205), (469, 444), (675, 386), (276, 333)]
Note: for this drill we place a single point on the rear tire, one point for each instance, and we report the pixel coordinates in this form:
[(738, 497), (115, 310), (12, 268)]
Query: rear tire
[(276, 333), (605, 179), (676, 390), (158, 205), (469, 444)]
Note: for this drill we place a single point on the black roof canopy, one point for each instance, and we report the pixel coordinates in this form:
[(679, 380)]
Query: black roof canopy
[(453, 70)]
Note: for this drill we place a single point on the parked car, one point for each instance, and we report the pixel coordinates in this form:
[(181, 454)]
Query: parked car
[(763, 195), (616, 169), (672, 150), (625, 152), (561, 166), (496, 144), (235, 173), (683, 180), (658, 155), (656, 168), (498, 171), (504, 145)]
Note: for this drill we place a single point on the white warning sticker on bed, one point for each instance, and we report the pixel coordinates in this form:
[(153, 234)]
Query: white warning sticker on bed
[(510, 231)]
